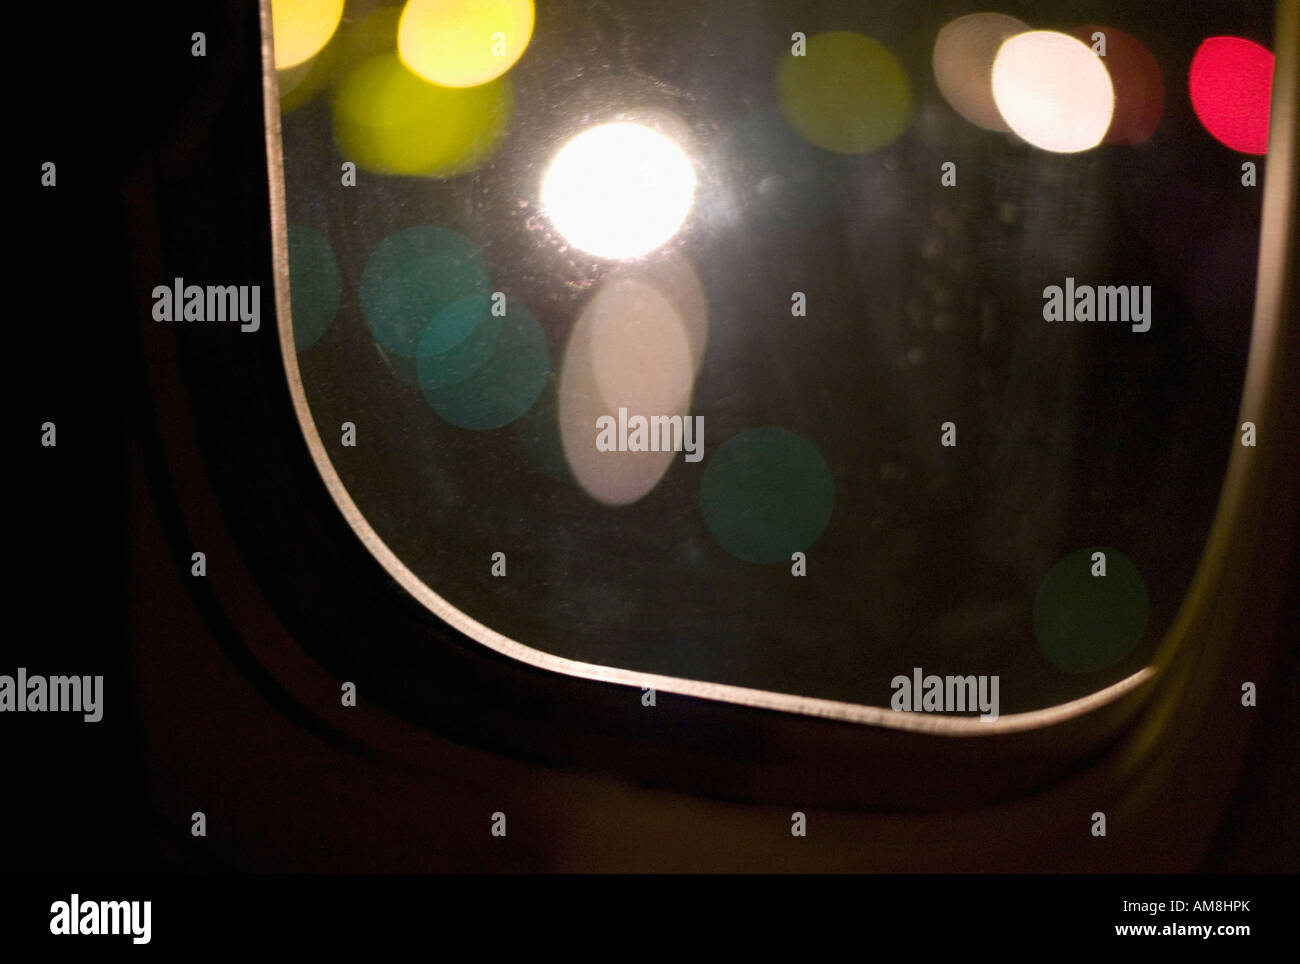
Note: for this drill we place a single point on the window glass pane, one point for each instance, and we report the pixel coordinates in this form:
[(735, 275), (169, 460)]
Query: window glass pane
[(792, 346)]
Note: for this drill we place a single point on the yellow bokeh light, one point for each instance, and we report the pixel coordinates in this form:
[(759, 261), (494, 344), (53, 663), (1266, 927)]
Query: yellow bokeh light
[(464, 43), (300, 28), (388, 120), (848, 94)]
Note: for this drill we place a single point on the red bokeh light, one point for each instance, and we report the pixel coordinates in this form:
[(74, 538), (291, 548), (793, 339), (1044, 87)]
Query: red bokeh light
[(1139, 87), (1230, 83)]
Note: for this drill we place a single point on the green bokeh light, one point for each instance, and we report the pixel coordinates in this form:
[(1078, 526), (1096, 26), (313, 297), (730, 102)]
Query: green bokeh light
[(388, 120), (766, 493), (1085, 623)]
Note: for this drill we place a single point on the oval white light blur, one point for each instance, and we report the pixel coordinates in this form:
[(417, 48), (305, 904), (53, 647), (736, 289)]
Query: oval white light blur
[(619, 190), (1053, 91), (629, 354)]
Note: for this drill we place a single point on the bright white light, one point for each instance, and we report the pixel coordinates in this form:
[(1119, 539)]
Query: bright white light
[(1053, 91), (619, 190)]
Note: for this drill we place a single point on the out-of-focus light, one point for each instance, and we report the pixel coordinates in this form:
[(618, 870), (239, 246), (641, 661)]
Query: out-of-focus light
[(1053, 91), (847, 93), (630, 350), (619, 190), (640, 351), (411, 277), (390, 121), (480, 393), (458, 342), (299, 84), (1231, 81), (300, 28), (375, 33), (675, 279), (1135, 77), (1086, 622), (619, 477), (963, 64), (765, 494), (464, 43), (315, 285)]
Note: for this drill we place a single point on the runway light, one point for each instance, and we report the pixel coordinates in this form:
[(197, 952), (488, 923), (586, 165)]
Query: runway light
[(300, 28), (464, 43), (619, 190), (1053, 91)]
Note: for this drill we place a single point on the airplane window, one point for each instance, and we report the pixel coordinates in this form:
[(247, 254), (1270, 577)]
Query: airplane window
[(789, 353)]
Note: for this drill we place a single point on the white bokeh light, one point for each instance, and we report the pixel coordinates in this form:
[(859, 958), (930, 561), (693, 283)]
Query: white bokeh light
[(619, 190), (1053, 91), (631, 348), (963, 59)]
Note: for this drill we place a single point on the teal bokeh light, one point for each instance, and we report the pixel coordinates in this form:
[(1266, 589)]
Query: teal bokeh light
[(487, 394), (766, 493), (459, 341), (314, 285), (411, 277)]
